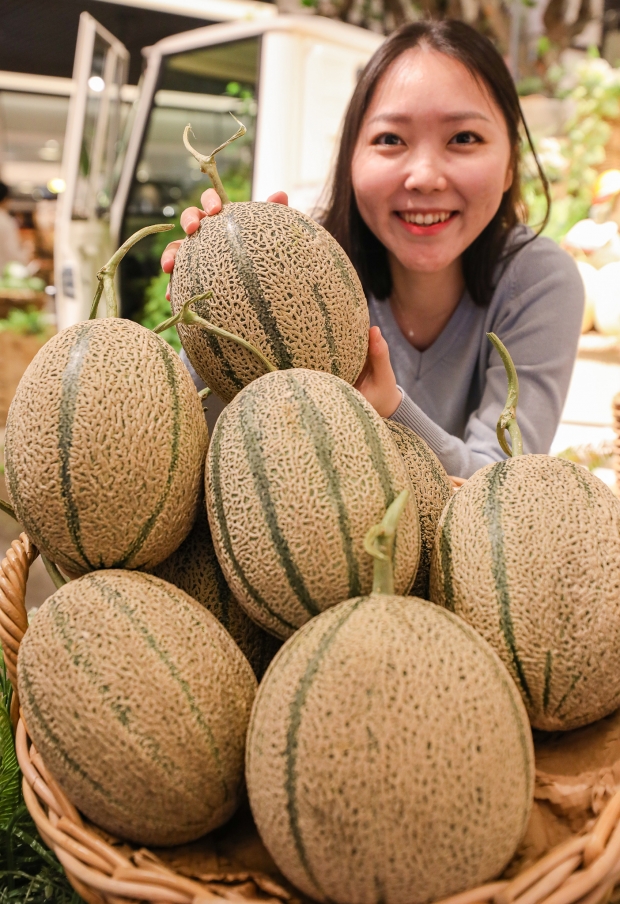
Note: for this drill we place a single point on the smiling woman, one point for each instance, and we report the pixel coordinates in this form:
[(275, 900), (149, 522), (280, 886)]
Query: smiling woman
[(426, 201)]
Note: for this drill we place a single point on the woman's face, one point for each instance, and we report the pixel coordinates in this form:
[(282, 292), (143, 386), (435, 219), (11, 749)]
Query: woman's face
[(432, 160)]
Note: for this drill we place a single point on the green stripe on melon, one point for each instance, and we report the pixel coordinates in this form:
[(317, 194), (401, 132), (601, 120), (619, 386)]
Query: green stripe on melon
[(194, 568), (144, 731), (277, 279), (105, 446), (299, 468), (433, 491), (528, 553)]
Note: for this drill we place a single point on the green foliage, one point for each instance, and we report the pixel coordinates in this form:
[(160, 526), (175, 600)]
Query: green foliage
[(591, 457), (157, 309), (29, 322), (16, 276), (29, 872), (590, 91)]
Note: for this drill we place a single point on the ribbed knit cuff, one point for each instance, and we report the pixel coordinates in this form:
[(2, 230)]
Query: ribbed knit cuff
[(412, 416)]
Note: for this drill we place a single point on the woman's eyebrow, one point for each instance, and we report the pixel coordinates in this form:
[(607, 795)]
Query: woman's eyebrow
[(447, 117)]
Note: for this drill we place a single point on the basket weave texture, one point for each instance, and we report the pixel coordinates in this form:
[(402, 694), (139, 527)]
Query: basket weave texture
[(584, 869)]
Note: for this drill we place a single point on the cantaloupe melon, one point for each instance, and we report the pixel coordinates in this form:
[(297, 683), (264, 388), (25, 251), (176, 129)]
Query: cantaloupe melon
[(299, 467), (278, 280), (433, 490), (389, 756), (138, 701), (194, 568), (528, 553), (105, 446)]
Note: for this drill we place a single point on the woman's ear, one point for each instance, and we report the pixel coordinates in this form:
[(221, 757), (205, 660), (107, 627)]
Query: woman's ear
[(510, 171)]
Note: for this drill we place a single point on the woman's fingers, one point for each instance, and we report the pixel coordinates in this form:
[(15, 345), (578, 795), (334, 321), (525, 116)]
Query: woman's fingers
[(211, 202), (190, 219), (170, 253), (377, 382), (278, 197)]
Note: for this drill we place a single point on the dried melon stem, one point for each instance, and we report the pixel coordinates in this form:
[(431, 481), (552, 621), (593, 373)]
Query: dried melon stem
[(185, 315), (508, 417), (107, 275), (379, 543), (8, 509), (57, 579), (207, 164), (51, 569)]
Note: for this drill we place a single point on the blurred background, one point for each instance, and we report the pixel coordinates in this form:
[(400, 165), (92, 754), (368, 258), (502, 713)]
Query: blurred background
[(94, 97)]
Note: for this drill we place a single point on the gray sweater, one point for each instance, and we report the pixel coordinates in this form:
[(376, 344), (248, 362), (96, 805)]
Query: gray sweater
[(454, 392)]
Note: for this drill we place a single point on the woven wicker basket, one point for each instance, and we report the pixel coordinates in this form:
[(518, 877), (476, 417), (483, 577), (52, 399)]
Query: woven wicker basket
[(584, 868)]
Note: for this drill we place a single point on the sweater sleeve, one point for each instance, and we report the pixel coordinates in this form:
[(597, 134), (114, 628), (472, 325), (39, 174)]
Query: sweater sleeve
[(539, 321)]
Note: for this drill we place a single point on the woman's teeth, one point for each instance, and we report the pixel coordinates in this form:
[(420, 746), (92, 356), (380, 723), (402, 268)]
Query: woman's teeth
[(425, 219)]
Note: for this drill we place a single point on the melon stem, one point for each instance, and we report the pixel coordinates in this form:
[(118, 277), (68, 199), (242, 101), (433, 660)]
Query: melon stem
[(207, 163), (508, 417), (57, 579), (187, 316), (379, 543), (52, 570), (107, 275), (8, 509), (205, 393)]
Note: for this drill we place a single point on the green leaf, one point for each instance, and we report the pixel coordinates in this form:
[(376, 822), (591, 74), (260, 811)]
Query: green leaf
[(29, 872), (10, 793)]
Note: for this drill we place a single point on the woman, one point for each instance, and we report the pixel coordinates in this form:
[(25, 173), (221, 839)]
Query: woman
[(426, 201)]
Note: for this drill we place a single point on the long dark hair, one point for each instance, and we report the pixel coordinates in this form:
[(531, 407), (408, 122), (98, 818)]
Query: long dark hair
[(342, 218)]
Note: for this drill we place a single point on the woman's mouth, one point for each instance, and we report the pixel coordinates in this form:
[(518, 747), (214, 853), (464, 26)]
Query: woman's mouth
[(426, 222)]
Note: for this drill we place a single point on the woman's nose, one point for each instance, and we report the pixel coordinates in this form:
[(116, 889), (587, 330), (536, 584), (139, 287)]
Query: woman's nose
[(425, 174)]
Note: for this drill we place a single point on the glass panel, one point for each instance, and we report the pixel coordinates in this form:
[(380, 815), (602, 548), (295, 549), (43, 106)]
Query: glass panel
[(94, 186), (32, 134), (202, 87)]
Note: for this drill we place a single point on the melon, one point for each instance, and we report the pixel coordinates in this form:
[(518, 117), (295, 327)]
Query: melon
[(105, 445), (298, 469), (389, 755), (528, 553), (194, 568), (278, 280), (432, 488), (138, 701)]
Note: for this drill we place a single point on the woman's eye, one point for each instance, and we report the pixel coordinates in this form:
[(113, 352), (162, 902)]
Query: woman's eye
[(467, 138), (388, 138)]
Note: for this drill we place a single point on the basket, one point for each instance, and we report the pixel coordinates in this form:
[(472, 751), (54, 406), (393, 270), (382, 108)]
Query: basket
[(584, 868)]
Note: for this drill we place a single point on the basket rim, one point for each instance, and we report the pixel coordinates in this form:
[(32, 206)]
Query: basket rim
[(584, 869)]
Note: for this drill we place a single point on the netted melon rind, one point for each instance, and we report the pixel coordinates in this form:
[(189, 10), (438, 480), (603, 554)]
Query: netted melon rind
[(105, 446), (433, 490), (528, 553), (300, 467), (138, 701), (194, 568), (389, 756), (280, 281)]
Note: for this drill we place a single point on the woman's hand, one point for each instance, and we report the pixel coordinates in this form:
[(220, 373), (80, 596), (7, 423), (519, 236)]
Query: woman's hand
[(191, 217), (377, 382)]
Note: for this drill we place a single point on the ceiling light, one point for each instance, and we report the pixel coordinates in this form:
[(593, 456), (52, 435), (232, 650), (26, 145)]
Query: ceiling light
[(56, 186)]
